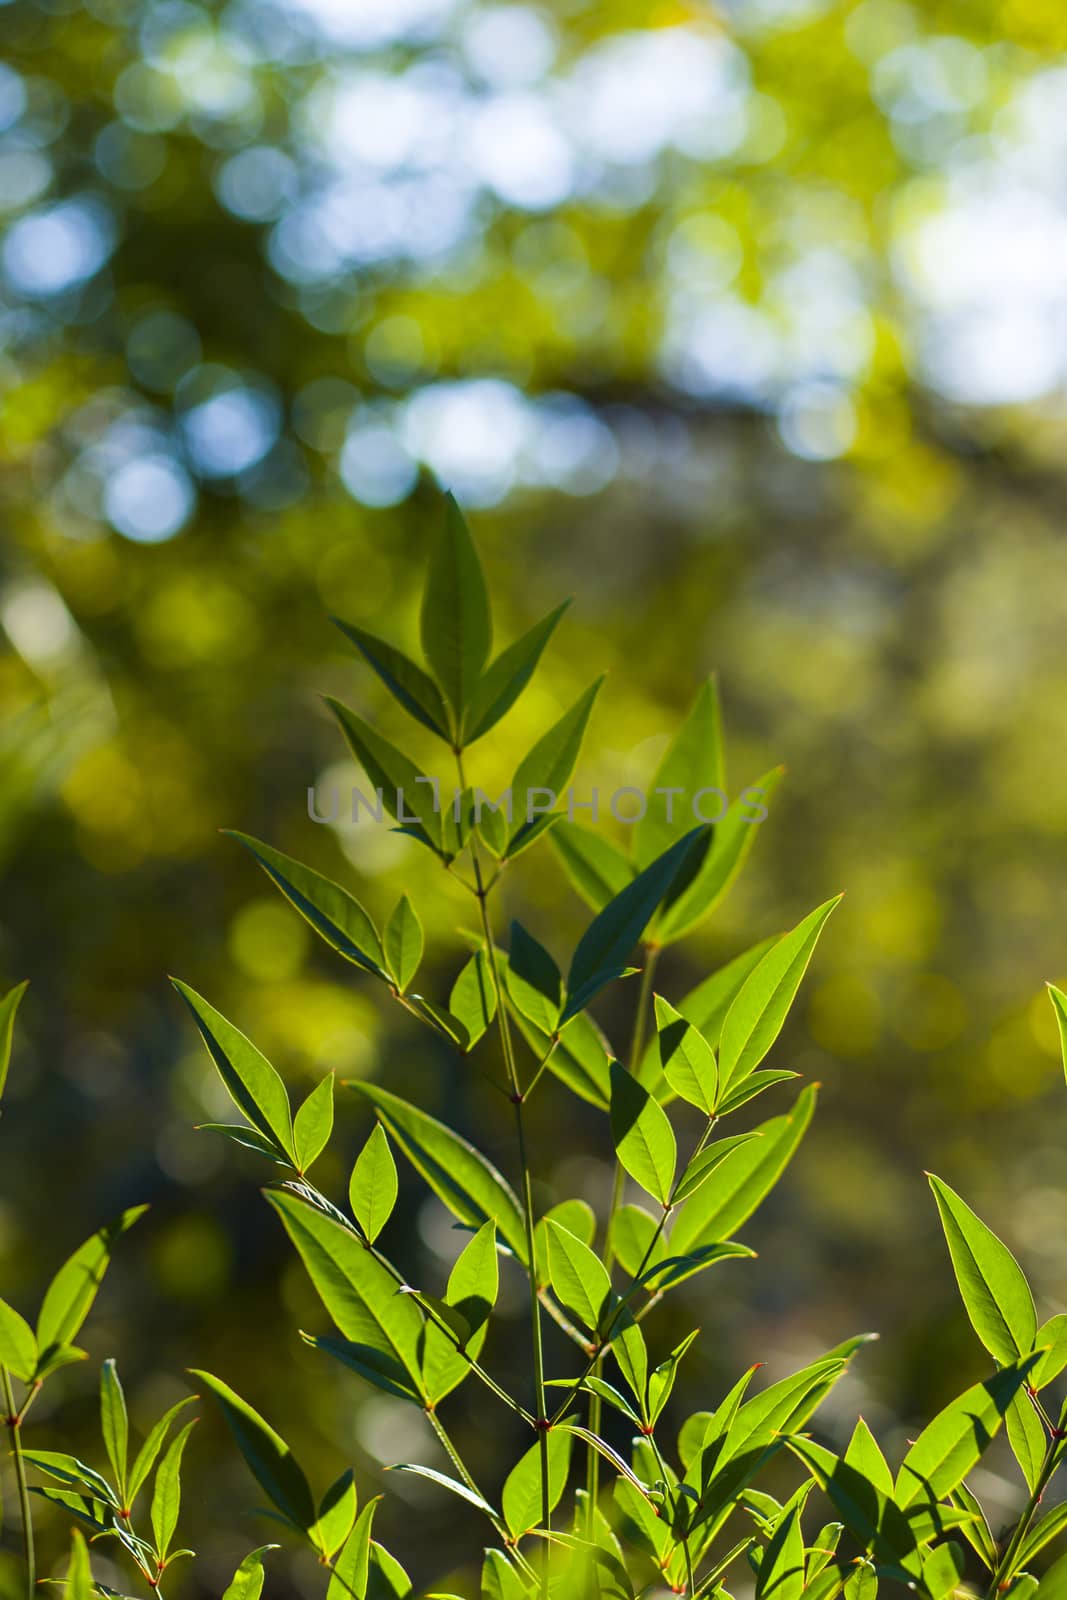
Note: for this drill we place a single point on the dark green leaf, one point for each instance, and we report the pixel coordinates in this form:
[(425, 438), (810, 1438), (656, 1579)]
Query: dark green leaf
[(470, 1186), (534, 982), (251, 1082), (607, 942), (693, 762), (406, 791), (643, 1139), (373, 1187), (456, 625), (549, 766), (503, 682), (596, 867), (272, 1463), (330, 909), (313, 1124), (248, 1139), (405, 680), (995, 1294), (67, 1469)]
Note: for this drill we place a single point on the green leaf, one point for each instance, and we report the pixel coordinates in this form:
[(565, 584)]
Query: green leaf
[(351, 1570), (18, 1347), (270, 1459), (79, 1583), (67, 1469), (442, 1022), (405, 680), (503, 682), (373, 1187), (72, 1291), (1051, 1340), (337, 1514), (403, 943), (167, 1494), (580, 1058), (357, 1290), (1059, 1006), (631, 1355), (755, 1019), (687, 1058), (943, 1569), (405, 790), (251, 1082), (950, 1445), (743, 1181), (500, 1581), (731, 842), (473, 1285), (452, 1484), (333, 913), (248, 1139), (607, 942), (577, 1216), (146, 1457), (9, 1004), (596, 867), (693, 762), (865, 1454), (995, 1294), (313, 1124), (661, 1378), (534, 983), (781, 1572), (706, 1006), (473, 998), (703, 1165), (549, 765), (114, 1424), (455, 620), (386, 1579), (521, 1495), (1026, 1435), (1041, 1534), (247, 1581), (579, 1278), (630, 1237), (469, 1185), (643, 1139)]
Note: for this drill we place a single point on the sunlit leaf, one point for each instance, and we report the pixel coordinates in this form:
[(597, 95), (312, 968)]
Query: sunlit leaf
[(995, 1294), (251, 1082), (445, 1482), (9, 1005), (473, 998), (349, 1577), (643, 1139), (72, 1291), (579, 1278), (148, 1454), (373, 1187), (114, 1424), (166, 1496), (403, 943), (313, 1124), (687, 1058), (247, 1581), (596, 867), (18, 1346), (337, 1514), (521, 1499)]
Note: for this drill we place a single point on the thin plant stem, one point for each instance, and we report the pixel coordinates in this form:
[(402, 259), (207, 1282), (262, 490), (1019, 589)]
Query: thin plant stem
[(1052, 1460), (637, 1045), (527, 1187), (457, 1461), (14, 1428)]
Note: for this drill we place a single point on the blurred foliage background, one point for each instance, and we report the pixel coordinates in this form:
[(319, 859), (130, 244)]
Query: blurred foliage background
[(744, 325)]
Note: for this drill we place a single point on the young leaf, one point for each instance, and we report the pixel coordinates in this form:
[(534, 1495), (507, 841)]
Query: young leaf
[(1051, 1340), (114, 1424), (167, 1494), (146, 1457), (995, 1294), (521, 1496), (456, 625), (72, 1291), (742, 1182), (755, 1019), (865, 1454), (471, 1188), (18, 1347), (313, 1124), (503, 681), (661, 1378), (272, 1463), (383, 1328), (607, 942), (403, 943), (406, 681), (549, 765), (579, 1278), (348, 1580), (247, 1581), (9, 1004), (337, 1515), (251, 1082), (331, 910), (79, 1583), (1059, 1006), (473, 998), (643, 1139), (596, 867), (373, 1187), (406, 791), (693, 762), (687, 1058), (1026, 1435)]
